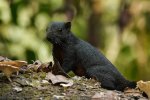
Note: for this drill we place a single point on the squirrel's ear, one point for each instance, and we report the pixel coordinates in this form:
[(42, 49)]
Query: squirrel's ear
[(68, 25)]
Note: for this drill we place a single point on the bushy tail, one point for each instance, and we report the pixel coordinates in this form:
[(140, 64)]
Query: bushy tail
[(124, 84)]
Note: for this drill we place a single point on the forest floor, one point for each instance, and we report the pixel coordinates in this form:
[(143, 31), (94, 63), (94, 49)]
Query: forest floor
[(33, 85), (27, 87)]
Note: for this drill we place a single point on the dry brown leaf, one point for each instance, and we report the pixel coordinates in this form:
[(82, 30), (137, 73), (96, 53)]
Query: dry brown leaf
[(145, 87), (58, 79), (17, 63), (8, 70), (8, 67), (45, 67), (38, 66), (34, 67), (133, 92)]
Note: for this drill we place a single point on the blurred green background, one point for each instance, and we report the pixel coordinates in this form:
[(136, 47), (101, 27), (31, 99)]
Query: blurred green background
[(119, 28)]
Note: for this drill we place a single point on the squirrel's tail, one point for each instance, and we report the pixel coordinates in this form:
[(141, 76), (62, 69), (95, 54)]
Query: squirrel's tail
[(125, 84)]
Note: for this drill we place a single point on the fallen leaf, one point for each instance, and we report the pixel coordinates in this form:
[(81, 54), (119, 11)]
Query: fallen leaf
[(8, 70), (45, 82), (144, 86), (38, 66), (45, 67), (17, 63), (31, 68), (34, 67), (17, 89), (68, 84), (51, 77), (8, 67), (62, 79), (133, 92), (58, 79)]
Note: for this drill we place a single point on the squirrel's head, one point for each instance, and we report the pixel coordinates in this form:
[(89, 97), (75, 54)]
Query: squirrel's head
[(58, 31)]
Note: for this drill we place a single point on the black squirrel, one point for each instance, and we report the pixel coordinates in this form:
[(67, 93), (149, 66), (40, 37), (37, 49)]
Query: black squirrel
[(82, 58)]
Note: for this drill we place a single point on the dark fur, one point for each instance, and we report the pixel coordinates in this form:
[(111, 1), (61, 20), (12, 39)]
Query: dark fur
[(83, 59)]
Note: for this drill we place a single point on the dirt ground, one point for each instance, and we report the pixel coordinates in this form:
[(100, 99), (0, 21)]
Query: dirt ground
[(36, 82), (33, 86)]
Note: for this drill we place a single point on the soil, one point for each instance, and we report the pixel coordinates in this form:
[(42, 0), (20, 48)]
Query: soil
[(33, 86)]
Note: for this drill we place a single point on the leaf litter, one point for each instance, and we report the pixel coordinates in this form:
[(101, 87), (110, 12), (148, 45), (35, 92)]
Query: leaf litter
[(36, 81)]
